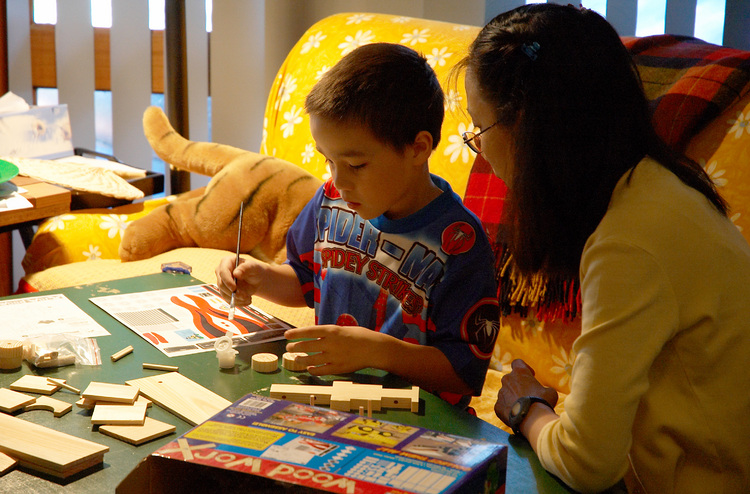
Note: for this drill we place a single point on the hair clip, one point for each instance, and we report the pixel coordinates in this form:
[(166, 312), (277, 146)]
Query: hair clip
[(531, 50)]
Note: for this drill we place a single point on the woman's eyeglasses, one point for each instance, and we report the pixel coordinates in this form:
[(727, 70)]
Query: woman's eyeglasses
[(474, 141)]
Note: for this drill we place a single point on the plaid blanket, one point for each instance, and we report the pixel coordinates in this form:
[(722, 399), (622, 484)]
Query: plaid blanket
[(689, 82)]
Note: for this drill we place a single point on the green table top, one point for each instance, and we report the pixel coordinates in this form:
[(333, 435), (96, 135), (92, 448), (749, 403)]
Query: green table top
[(525, 474)]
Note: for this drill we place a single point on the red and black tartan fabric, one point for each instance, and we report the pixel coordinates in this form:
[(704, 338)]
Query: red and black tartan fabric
[(689, 82)]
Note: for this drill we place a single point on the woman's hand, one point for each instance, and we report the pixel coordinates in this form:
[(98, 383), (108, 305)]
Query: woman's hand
[(520, 382), (336, 349)]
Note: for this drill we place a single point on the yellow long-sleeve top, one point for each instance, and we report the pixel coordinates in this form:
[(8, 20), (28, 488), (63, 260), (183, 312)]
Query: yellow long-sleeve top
[(662, 375)]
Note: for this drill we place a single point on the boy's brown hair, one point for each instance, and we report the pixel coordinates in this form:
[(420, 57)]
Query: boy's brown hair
[(386, 87)]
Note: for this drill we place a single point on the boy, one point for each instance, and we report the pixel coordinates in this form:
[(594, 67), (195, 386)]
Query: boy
[(399, 272)]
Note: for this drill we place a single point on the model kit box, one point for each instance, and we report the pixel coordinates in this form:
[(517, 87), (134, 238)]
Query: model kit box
[(266, 445)]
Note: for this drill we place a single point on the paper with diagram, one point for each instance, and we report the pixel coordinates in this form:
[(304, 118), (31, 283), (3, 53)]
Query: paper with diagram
[(187, 320), (30, 317)]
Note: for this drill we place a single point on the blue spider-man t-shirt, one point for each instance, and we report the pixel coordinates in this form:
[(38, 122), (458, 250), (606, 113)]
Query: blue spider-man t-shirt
[(427, 278)]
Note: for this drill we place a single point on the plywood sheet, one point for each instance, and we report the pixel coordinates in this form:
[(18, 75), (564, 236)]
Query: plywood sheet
[(119, 414), (89, 404), (138, 434), (10, 400), (47, 450), (115, 393), (183, 397), (6, 463), (34, 384), (57, 407)]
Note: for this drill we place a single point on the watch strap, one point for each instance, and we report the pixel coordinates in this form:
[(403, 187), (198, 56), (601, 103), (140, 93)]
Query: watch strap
[(520, 409)]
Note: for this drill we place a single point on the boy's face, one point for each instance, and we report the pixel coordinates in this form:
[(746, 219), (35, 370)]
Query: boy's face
[(373, 178)]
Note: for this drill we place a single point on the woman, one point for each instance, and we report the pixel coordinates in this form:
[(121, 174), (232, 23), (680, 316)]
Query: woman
[(659, 388)]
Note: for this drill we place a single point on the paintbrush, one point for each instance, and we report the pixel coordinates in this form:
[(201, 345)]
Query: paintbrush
[(236, 261)]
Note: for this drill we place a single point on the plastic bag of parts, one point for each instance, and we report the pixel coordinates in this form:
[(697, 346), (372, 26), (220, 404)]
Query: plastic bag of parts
[(57, 350)]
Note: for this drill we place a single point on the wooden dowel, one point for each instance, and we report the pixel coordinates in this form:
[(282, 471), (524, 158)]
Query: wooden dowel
[(62, 384), (167, 368), (117, 356)]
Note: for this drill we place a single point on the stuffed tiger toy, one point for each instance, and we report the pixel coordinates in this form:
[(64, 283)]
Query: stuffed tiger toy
[(272, 190)]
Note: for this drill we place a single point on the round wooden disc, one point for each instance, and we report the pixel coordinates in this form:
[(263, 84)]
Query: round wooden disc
[(265, 362), (11, 354), (289, 361)]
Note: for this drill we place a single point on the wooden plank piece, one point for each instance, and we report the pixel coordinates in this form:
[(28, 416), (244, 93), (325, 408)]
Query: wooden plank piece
[(57, 407), (116, 393), (47, 450), (34, 384), (6, 463), (89, 404), (119, 414), (138, 434), (10, 400), (183, 397)]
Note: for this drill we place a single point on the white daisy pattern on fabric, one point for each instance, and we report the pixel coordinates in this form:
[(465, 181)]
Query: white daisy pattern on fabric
[(115, 224), (734, 219), (312, 42), (292, 118), (564, 365), (286, 89), (401, 20), (308, 153), (57, 222), (456, 146), (93, 254), (327, 174), (359, 18), (264, 137), (321, 71), (438, 57), (739, 125), (352, 42), (453, 100), (416, 36), (716, 175)]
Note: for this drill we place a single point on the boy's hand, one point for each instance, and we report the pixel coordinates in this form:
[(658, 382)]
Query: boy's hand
[(336, 349), (243, 280)]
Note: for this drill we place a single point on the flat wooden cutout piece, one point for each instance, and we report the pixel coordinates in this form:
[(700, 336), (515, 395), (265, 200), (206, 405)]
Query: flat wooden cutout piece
[(34, 384), (88, 404), (349, 396), (265, 362), (116, 393), (301, 393), (10, 401), (183, 397), (57, 407), (289, 361), (119, 414), (138, 434), (46, 450), (6, 463)]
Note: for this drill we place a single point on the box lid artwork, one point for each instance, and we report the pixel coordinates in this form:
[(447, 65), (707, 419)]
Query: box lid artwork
[(269, 442)]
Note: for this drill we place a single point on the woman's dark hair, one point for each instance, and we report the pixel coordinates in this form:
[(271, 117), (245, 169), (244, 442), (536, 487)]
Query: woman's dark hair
[(562, 76), (389, 88)]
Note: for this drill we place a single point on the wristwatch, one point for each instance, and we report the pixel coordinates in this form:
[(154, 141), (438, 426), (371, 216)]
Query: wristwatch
[(520, 409)]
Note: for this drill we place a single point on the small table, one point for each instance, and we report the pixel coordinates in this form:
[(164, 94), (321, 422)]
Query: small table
[(524, 475), (47, 200)]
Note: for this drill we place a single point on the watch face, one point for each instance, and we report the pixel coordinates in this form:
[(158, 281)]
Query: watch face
[(515, 409)]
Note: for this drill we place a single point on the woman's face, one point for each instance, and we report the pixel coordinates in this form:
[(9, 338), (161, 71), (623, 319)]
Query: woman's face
[(497, 142)]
